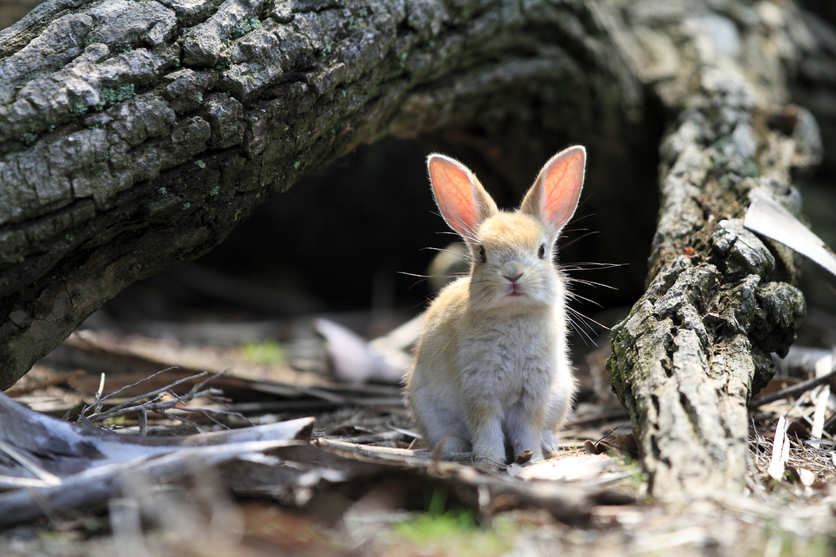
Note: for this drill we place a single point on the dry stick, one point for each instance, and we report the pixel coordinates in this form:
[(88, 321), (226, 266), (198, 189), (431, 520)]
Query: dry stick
[(195, 392), (107, 413), (371, 437), (164, 406), (47, 477), (143, 422), (97, 404), (20, 391), (143, 380), (154, 406), (371, 451), (798, 389)]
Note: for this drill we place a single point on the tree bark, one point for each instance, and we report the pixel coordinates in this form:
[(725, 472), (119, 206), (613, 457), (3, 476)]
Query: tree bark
[(719, 300), (135, 135)]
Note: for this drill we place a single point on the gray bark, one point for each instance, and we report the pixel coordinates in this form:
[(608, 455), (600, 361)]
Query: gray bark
[(135, 135), (720, 300)]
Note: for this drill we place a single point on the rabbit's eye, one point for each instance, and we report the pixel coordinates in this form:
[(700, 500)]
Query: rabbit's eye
[(541, 253), (483, 257)]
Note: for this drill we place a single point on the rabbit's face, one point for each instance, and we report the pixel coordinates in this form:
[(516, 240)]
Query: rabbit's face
[(512, 265)]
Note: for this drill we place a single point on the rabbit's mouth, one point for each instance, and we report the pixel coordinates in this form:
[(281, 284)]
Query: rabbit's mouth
[(515, 290)]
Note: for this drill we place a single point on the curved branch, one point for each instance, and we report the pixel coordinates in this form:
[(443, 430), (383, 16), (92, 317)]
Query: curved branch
[(135, 135)]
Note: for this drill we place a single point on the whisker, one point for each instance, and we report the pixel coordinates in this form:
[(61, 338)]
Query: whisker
[(425, 278), (417, 282), (456, 254), (588, 319), (451, 275), (583, 329), (574, 296), (591, 266), (591, 283), (576, 219), (573, 240)]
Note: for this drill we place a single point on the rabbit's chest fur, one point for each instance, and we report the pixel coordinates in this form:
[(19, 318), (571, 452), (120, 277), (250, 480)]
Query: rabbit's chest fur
[(493, 355), (512, 359)]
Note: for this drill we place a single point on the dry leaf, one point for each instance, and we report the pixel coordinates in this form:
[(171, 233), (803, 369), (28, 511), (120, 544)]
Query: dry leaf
[(570, 469), (780, 450), (805, 476), (352, 358), (765, 216)]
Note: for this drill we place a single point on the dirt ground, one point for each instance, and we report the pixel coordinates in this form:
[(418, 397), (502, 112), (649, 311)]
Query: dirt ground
[(363, 486)]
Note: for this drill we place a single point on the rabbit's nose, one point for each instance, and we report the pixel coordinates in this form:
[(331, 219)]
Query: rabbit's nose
[(512, 271)]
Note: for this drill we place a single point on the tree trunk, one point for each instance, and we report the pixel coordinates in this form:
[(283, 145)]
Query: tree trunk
[(135, 134), (719, 300)]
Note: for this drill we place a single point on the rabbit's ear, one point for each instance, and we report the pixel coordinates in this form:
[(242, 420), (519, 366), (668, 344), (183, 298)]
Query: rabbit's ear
[(554, 196), (463, 201)]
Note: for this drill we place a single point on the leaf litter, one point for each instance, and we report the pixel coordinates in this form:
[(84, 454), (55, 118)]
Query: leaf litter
[(353, 479)]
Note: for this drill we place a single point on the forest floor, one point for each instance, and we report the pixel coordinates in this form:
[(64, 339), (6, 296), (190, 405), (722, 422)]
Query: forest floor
[(362, 486)]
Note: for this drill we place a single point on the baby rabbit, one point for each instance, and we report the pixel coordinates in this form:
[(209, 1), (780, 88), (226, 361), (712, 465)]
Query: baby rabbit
[(492, 363)]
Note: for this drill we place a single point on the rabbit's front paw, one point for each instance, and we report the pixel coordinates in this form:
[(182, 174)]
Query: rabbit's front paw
[(451, 444), (551, 444)]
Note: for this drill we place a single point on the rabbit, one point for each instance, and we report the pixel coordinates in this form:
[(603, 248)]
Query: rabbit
[(491, 363)]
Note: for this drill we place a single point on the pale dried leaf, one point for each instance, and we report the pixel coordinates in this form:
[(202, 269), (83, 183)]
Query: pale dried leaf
[(807, 477), (765, 216), (824, 366), (580, 467), (780, 450), (351, 357), (820, 398)]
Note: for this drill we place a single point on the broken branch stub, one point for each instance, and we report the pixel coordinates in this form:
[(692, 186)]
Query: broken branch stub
[(719, 301)]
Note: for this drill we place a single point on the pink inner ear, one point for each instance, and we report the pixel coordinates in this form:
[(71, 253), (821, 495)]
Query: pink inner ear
[(562, 184), (454, 194)]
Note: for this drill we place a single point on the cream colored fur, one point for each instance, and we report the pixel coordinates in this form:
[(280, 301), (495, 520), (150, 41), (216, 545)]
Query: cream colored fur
[(492, 364)]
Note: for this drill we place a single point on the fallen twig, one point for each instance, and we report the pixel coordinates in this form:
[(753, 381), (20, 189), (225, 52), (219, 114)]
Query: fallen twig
[(98, 416), (373, 437), (100, 483), (795, 390), (312, 405), (482, 488), (162, 407), (150, 406), (57, 380), (63, 448), (393, 455)]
